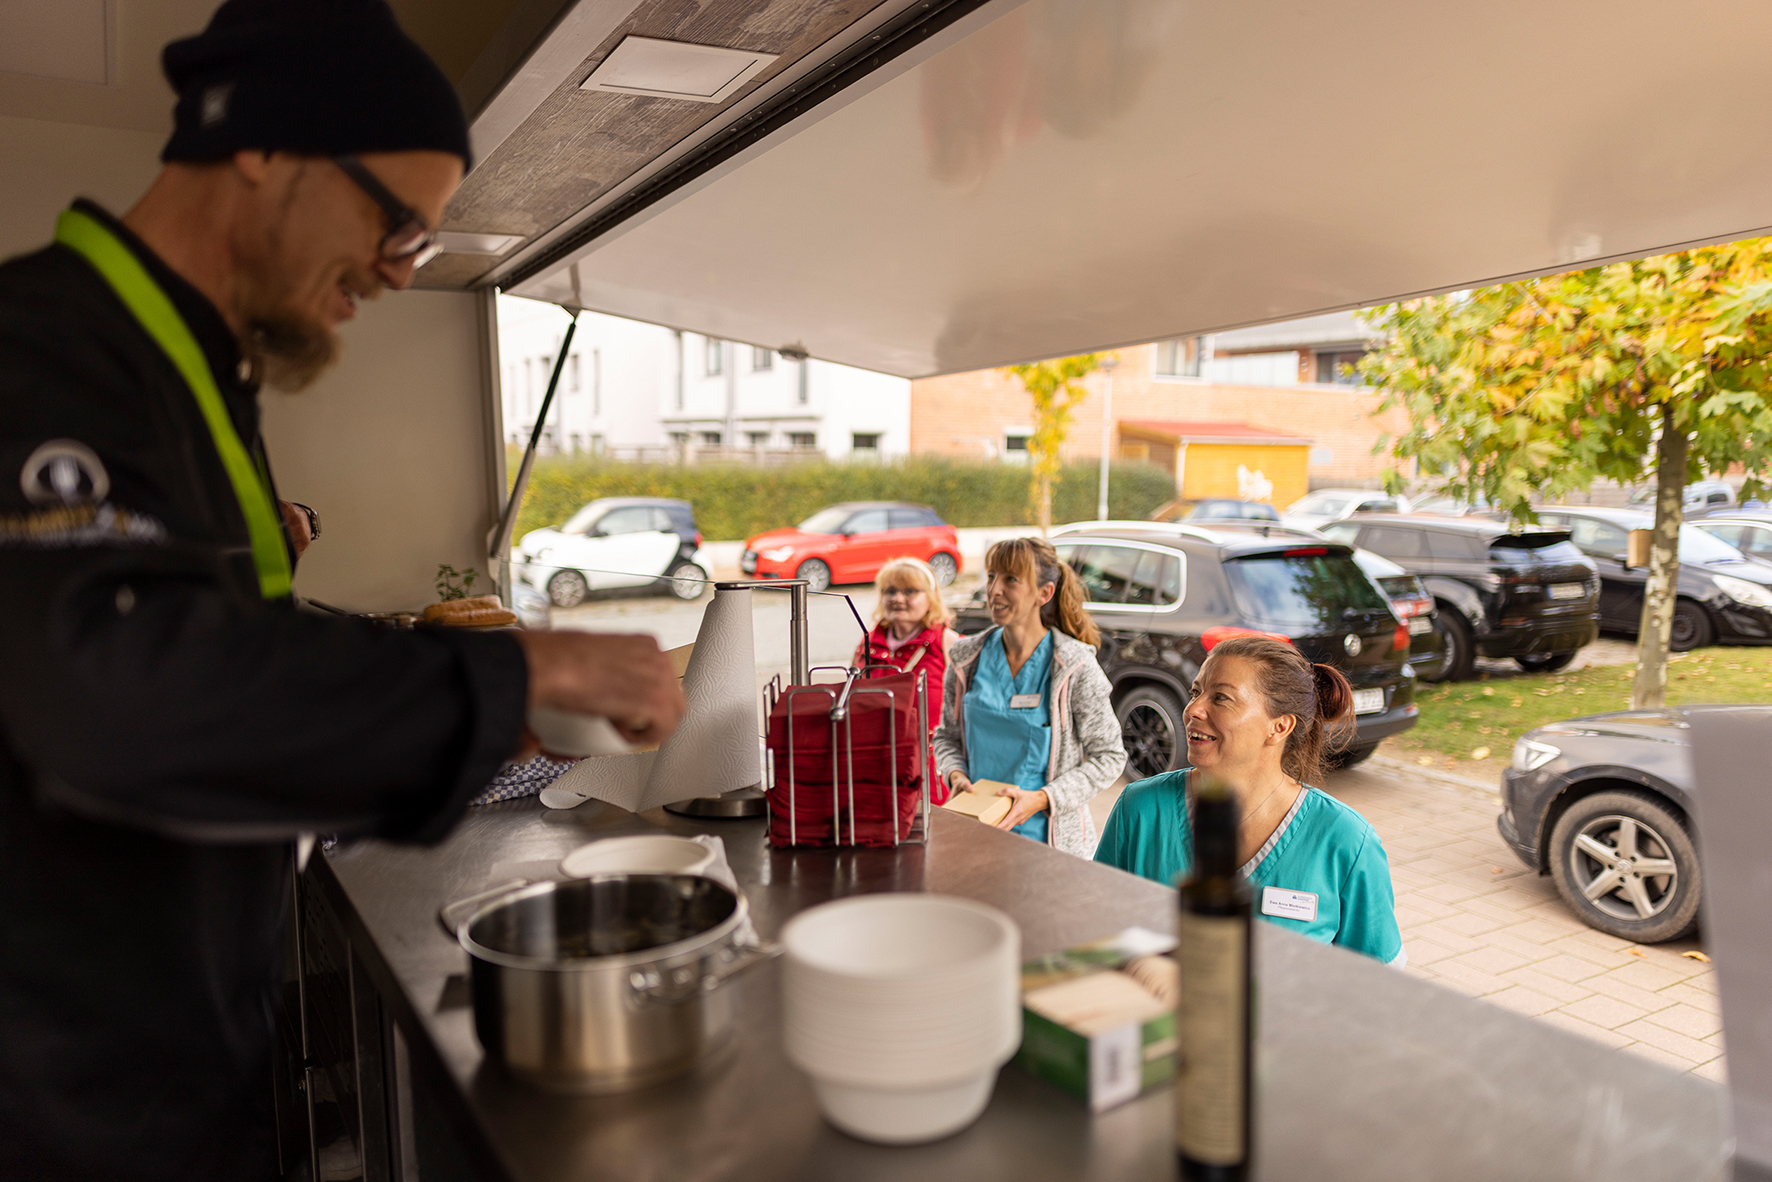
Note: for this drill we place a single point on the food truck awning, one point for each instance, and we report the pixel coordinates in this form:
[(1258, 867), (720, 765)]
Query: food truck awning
[(1006, 180)]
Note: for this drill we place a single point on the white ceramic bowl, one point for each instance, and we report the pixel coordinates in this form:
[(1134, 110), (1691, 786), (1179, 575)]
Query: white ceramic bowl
[(904, 1117), (900, 991), (643, 853)]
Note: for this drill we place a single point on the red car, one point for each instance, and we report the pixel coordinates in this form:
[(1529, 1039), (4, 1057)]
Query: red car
[(849, 543)]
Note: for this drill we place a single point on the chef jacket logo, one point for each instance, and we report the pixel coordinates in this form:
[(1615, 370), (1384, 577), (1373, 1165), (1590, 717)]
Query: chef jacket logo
[(64, 472), (1351, 643)]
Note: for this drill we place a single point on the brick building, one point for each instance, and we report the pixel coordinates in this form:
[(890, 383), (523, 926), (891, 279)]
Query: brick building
[(1293, 379)]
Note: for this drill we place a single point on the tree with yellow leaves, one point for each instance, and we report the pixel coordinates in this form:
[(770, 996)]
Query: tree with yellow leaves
[(1544, 385), (1053, 387)]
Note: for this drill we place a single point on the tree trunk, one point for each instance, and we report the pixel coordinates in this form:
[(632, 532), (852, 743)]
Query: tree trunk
[(1661, 594), (1045, 499)]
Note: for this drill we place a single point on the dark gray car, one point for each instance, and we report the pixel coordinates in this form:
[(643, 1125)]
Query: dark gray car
[(1603, 805), (1723, 594)]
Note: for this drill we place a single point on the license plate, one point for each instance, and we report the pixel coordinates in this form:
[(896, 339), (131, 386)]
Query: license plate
[(1568, 591), (1420, 626), (1369, 701)]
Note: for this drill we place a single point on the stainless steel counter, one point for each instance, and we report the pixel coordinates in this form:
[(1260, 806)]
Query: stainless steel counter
[(1363, 1072)]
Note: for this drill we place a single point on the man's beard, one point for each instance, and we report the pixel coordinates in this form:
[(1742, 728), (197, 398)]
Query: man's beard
[(288, 352)]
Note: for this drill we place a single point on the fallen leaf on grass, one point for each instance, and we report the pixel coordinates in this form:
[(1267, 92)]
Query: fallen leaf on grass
[(1480, 753), (1700, 957), (1518, 702), (1488, 691), (1426, 761)]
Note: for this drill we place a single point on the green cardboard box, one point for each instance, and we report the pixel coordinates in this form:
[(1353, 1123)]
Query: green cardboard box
[(1091, 1028)]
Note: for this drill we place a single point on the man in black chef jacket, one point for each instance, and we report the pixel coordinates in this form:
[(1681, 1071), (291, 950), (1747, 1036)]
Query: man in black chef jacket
[(168, 723)]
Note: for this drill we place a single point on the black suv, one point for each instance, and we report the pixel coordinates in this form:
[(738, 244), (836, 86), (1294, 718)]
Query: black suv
[(1531, 596), (1164, 595)]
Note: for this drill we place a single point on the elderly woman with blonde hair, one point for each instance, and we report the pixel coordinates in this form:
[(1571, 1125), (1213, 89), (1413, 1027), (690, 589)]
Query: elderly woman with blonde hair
[(910, 633)]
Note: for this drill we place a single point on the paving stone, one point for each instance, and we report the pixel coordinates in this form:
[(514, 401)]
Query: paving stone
[(1567, 968), (1524, 1000), (1648, 976), (1688, 1020), (1717, 1071), (1468, 923), (1609, 985), (1476, 980), (1656, 1055), (1564, 1020), (1457, 941), (1693, 1050), (1423, 951), (1686, 993), (1491, 960), (1606, 1011), (1563, 991)]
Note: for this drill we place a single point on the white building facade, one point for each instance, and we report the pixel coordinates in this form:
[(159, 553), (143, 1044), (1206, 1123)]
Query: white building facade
[(631, 390)]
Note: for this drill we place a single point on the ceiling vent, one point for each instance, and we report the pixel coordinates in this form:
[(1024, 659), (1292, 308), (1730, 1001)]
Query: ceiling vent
[(675, 69)]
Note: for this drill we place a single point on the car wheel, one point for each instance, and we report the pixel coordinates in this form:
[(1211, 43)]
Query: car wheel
[(816, 574), (567, 589), (1544, 662), (687, 581), (1625, 864), (1152, 730), (946, 569), (1461, 650), (1351, 757), (1691, 629)]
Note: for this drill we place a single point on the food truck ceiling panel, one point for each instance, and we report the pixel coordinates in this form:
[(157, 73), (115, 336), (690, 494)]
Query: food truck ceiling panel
[(1076, 174)]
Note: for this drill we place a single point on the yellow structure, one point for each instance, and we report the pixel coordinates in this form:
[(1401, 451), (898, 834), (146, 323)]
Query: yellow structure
[(1222, 459)]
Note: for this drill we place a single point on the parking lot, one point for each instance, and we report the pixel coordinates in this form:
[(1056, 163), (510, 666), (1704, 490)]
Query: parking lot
[(1473, 918)]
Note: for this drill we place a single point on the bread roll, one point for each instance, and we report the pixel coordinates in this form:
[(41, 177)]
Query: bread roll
[(454, 610)]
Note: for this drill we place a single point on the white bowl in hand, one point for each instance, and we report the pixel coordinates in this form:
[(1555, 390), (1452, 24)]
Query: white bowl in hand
[(563, 732)]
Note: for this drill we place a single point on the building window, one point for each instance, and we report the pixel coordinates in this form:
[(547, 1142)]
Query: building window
[(597, 445), (578, 442), (1339, 369), (805, 382), (596, 381), (868, 441), (713, 358), (1180, 358), (711, 438), (680, 438), (758, 438), (573, 378), (1015, 444), (762, 358), (802, 439)]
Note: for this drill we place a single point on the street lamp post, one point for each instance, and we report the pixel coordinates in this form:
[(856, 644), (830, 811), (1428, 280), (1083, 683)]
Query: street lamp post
[(1107, 434)]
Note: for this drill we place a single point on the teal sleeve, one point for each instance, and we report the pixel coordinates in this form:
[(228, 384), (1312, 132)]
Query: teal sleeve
[(1368, 906), (1143, 835)]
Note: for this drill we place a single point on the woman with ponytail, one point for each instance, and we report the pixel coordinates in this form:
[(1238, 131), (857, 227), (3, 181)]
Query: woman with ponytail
[(1026, 704), (1260, 718)]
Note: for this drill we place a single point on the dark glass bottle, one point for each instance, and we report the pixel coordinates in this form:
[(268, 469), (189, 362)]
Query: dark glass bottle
[(1214, 1023)]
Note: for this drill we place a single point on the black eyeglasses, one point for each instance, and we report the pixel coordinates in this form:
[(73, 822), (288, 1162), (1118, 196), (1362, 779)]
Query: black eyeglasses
[(408, 237)]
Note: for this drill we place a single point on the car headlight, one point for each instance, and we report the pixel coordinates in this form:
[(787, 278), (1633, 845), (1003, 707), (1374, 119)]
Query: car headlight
[(1742, 591), (783, 553), (1530, 755)]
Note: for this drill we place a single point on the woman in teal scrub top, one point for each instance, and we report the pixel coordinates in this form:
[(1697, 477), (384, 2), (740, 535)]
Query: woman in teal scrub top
[(1258, 719), (1026, 703)]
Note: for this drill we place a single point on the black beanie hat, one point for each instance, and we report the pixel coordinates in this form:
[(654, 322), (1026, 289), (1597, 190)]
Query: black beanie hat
[(311, 77)]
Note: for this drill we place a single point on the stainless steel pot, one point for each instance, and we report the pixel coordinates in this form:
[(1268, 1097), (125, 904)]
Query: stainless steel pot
[(603, 984)]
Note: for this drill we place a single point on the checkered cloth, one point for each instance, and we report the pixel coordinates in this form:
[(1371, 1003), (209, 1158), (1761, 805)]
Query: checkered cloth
[(519, 779)]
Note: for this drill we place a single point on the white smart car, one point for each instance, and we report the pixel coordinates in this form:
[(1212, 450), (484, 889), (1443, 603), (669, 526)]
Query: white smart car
[(615, 542)]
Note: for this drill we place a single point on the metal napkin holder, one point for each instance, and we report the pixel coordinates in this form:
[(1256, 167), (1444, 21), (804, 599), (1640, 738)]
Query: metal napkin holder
[(842, 695)]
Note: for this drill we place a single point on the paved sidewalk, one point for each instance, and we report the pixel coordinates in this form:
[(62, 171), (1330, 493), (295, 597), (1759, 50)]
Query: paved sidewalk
[(1476, 920)]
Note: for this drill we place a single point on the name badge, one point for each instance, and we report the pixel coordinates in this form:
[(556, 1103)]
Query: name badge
[(1284, 904), (1025, 702)]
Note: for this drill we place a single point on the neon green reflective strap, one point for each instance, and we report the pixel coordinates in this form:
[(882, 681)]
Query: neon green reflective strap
[(151, 307)]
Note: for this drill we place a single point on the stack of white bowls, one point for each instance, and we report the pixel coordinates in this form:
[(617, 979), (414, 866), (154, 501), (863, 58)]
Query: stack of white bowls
[(901, 1007)]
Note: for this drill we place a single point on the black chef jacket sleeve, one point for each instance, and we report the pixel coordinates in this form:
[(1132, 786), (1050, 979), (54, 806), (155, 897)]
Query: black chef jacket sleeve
[(138, 689)]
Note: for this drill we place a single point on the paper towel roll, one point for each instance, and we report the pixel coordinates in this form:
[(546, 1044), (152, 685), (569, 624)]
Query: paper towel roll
[(715, 748), (618, 779)]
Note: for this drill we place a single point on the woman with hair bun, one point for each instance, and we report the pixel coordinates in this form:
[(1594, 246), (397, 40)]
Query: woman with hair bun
[(1259, 718), (1027, 705)]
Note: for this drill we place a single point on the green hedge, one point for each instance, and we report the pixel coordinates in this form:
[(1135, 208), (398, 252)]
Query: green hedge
[(734, 501)]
